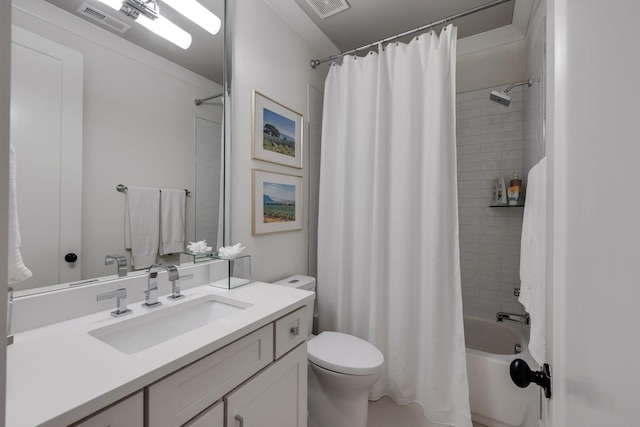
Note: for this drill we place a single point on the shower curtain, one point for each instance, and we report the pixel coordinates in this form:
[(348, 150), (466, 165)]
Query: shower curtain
[(388, 252)]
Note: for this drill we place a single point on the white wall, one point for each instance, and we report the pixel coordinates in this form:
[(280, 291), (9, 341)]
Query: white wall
[(134, 134), (593, 116), (5, 89), (500, 65), (270, 57)]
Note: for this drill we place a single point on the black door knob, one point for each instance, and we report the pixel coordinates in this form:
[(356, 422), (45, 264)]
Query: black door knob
[(522, 376), (71, 257)]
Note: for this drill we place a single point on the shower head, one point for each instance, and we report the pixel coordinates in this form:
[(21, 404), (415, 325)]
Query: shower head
[(500, 97), (503, 98)]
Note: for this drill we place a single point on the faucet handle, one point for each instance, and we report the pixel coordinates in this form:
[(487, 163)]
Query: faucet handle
[(175, 289), (121, 301), (121, 260)]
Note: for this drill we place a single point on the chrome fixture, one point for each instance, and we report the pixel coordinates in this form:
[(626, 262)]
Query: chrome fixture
[(9, 315), (147, 14), (175, 279), (151, 294), (120, 260), (503, 98), (123, 189), (514, 317), (121, 301), (208, 98)]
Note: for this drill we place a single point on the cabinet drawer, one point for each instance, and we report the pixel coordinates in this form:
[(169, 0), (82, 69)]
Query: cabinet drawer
[(290, 331), (212, 417), (126, 413), (178, 398)]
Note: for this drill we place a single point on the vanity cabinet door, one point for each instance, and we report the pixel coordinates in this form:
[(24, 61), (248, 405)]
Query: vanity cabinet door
[(211, 417), (275, 397), (126, 413)]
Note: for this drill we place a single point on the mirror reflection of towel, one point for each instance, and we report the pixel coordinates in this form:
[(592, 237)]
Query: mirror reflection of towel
[(17, 270), (142, 225), (172, 221)]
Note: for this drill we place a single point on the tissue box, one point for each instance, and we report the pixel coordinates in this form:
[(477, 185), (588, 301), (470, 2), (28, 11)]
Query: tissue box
[(232, 272)]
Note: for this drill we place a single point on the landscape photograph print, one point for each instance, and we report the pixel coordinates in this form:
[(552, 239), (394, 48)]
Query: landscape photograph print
[(277, 132), (277, 202)]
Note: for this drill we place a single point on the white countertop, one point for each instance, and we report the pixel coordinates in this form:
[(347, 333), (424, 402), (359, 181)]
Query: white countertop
[(59, 374)]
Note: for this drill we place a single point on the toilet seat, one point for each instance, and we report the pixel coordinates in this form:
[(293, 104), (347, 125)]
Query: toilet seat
[(344, 354)]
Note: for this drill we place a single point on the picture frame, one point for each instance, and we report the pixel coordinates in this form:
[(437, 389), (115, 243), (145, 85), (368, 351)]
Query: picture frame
[(277, 132), (277, 202)]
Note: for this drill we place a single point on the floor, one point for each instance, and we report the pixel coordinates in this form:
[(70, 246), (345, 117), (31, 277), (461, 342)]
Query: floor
[(385, 413)]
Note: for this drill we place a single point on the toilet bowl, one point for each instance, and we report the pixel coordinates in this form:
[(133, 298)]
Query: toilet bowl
[(342, 369)]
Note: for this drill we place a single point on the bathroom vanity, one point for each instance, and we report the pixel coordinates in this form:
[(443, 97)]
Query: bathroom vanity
[(245, 365)]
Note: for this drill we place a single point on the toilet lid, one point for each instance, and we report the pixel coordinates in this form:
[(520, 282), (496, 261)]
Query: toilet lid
[(345, 354)]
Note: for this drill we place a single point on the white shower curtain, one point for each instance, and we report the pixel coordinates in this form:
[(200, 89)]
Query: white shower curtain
[(388, 252)]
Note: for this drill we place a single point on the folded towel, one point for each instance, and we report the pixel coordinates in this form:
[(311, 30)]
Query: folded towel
[(142, 225), (172, 221), (533, 258), (17, 270)]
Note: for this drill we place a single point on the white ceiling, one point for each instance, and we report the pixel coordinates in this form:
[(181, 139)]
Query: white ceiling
[(367, 21), (204, 57)]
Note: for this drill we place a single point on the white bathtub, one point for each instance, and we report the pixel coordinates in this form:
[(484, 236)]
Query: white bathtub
[(495, 400)]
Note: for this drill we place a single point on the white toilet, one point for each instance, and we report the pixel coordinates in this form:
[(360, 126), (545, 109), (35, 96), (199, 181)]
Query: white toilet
[(342, 369)]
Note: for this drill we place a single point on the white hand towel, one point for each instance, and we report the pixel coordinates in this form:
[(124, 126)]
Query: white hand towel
[(533, 258), (172, 221), (142, 225), (17, 270)]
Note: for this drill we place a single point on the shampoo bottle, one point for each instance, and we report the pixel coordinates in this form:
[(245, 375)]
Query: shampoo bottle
[(502, 191)]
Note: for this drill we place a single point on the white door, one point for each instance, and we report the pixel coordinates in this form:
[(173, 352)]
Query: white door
[(595, 229), (46, 131)]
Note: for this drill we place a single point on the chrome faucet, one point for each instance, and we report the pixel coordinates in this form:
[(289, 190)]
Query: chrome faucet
[(151, 294), (514, 317), (120, 260), (121, 301)]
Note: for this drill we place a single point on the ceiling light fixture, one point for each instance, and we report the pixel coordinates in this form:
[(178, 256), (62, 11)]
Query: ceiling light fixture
[(146, 13), (197, 13)]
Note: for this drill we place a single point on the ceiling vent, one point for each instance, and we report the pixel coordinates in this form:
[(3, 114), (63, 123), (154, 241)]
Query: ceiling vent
[(327, 8), (103, 18)]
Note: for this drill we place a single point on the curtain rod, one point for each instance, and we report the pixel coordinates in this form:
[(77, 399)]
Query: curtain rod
[(200, 101), (315, 62)]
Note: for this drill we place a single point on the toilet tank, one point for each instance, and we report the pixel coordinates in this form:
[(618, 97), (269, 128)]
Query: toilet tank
[(301, 282)]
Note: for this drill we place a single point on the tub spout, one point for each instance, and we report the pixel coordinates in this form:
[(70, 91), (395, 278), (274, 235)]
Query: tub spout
[(514, 317)]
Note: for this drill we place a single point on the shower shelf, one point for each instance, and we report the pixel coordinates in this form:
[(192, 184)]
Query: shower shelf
[(519, 205)]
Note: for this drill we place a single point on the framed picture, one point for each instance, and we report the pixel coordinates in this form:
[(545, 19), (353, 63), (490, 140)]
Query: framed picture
[(277, 132), (277, 202)]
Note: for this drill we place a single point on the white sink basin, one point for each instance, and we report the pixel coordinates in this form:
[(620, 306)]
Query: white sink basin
[(162, 324)]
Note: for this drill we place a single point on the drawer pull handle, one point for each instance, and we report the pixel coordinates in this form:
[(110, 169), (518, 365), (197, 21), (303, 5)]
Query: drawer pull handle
[(240, 421), (295, 330)]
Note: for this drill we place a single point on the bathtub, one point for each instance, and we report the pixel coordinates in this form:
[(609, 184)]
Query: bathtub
[(495, 400)]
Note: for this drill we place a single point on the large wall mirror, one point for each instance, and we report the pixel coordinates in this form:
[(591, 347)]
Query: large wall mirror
[(98, 101)]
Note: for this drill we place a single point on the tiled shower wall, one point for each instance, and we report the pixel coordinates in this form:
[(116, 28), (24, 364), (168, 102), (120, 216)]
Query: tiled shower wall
[(490, 145)]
